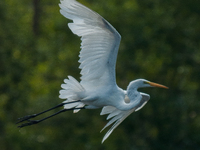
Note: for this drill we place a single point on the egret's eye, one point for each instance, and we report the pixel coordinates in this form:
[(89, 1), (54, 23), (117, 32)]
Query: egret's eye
[(145, 82)]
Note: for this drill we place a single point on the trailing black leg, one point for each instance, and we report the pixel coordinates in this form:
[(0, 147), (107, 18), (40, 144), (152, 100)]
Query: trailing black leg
[(22, 119), (31, 122)]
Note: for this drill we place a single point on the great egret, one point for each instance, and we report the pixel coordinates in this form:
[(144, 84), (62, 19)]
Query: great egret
[(97, 88)]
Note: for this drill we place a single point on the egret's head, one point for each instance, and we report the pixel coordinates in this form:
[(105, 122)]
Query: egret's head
[(140, 83)]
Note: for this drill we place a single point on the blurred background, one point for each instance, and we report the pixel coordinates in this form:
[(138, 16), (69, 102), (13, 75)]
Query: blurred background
[(160, 42)]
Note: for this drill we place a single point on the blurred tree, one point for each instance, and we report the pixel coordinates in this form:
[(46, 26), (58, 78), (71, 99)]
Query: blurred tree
[(36, 15), (160, 42)]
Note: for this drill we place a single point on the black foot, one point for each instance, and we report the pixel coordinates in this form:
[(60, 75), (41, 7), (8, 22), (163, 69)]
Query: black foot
[(30, 122), (22, 119)]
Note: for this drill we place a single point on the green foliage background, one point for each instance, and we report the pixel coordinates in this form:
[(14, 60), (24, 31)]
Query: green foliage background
[(160, 42)]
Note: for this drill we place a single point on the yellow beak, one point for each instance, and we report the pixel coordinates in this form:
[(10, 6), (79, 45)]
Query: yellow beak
[(157, 85)]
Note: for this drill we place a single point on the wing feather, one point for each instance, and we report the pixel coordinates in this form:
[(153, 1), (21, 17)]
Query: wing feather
[(99, 47), (116, 116)]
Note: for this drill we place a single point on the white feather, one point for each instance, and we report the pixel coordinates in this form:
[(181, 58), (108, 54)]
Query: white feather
[(118, 117), (107, 110), (100, 43), (70, 92)]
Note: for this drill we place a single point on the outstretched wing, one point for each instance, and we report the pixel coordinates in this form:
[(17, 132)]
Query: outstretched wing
[(99, 47), (116, 116)]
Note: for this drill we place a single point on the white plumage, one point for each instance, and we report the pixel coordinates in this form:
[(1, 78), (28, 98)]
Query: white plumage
[(98, 55), (99, 48)]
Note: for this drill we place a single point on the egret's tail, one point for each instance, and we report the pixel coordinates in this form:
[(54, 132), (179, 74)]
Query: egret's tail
[(71, 90)]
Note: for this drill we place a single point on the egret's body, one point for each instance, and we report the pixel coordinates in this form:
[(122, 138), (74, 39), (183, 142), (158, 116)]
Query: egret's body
[(98, 55)]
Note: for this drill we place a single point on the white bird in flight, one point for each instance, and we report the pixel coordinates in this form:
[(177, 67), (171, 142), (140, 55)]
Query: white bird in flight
[(97, 88)]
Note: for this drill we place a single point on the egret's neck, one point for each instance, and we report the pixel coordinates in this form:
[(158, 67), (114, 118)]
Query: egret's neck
[(131, 101)]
